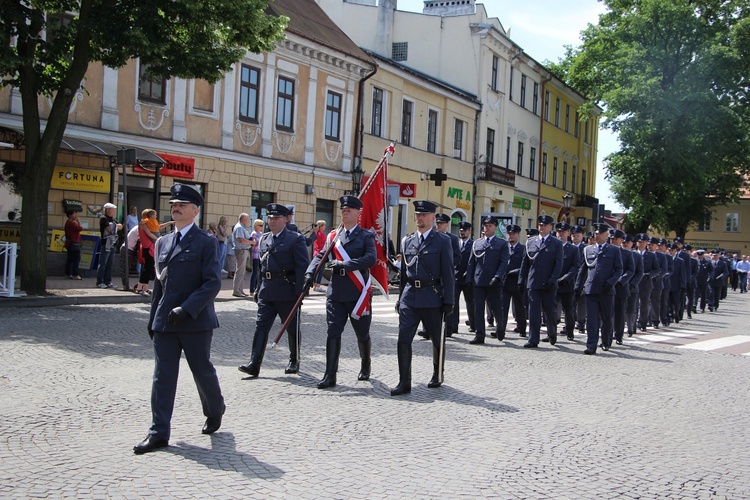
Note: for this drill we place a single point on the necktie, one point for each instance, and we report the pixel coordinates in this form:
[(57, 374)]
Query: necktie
[(421, 240), (174, 245), (346, 236), (600, 248)]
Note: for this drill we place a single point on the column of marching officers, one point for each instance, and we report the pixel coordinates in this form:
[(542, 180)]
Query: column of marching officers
[(607, 288)]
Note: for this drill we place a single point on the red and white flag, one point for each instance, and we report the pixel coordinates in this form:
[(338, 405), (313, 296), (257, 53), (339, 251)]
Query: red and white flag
[(374, 197)]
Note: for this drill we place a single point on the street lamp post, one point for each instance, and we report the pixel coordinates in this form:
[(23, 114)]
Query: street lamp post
[(567, 202), (357, 174)]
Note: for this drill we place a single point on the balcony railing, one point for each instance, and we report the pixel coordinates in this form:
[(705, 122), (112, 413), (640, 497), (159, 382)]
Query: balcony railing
[(498, 174)]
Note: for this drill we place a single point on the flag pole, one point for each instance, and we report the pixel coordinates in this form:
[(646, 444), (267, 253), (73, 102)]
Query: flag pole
[(389, 150)]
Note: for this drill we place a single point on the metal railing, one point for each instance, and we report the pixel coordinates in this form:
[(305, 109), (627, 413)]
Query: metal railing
[(8, 256)]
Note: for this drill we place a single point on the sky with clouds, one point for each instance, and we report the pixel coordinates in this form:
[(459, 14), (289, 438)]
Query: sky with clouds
[(543, 28)]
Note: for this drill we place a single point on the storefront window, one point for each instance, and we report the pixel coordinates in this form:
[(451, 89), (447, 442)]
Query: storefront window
[(258, 202)]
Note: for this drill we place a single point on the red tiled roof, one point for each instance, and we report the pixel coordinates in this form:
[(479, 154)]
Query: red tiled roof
[(308, 20)]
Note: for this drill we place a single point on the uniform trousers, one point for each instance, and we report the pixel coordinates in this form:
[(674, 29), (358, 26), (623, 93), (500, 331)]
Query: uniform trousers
[(644, 302), (336, 315), (468, 292), (665, 306), (631, 311), (656, 306), (621, 307), (600, 309), (519, 310), (581, 312), (492, 296), (701, 294), (267, 312), (409, 318), (674, 305), (542, 300), (168, 348), (568, 307)]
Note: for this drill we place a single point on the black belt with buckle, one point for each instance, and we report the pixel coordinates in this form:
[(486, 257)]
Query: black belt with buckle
[(283, 274), (422, 283)]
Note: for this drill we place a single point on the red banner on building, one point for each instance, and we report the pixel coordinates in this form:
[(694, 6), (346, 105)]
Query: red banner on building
[(175, 166)]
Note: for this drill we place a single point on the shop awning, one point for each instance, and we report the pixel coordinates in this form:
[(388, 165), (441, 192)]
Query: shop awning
[(9, 135)]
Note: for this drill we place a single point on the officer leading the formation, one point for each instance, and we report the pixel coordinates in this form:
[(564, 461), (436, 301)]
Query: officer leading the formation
[(283, 262), (349, 292), (182, 318), (426, 294)]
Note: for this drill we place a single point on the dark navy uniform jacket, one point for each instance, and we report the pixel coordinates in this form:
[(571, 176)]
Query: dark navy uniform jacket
[(599, 268), (651, 269), (360, 247), (719, 273), (571, 263), (283, 263), (432, 261), (663, 270), (545, 267), (463, 263), (488, 260), (628, 270), (514, 267), (705, 268), (190, 279), (456, 246), (638, 274), (680, 276)]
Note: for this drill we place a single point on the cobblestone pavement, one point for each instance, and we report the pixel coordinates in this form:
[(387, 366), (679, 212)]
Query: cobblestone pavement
[(649, 419)]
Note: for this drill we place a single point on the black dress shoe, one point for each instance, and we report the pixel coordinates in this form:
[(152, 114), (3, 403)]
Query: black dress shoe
[(467, 323), (213, 423), (643, 329), (500, 335), (491, 323), (529, 345), (630, 333), (472, 330), (571, 337), (292, 367), (545, 339), (251, 370), (434, 383), (553, 340), (493, 334), (604, 347), (477, 340), (618, 342), (522, 334), (423, 334), (150, 444), (589, 351)]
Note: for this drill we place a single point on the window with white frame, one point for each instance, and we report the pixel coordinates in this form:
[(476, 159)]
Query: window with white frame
[(458, 139), (493, 79), (285, 104), (523, 91), (732, 222), (532, 164), (151, 87), (519, 166), (333, 116), (376, 124), (407, 110), (544, 168), (490, 149), (249, 93), (705, 223), (432, 128)]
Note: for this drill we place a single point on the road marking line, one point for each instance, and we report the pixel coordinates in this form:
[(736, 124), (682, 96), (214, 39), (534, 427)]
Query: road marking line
[(709, 345)]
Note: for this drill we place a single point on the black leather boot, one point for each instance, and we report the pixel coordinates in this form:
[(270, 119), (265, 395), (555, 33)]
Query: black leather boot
[(259, 349), (403, 352), (293, 366), (333, 348), (364, 353), (437, 373)]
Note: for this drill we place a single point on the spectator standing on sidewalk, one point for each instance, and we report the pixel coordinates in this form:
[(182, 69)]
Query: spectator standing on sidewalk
[(743, 267), (242, 245), (108, 228), (255, 235), (73, 245), (318, 244), (222, 233), (148, 233)]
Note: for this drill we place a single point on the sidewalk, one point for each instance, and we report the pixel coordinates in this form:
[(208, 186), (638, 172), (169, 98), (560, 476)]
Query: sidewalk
[(66, 292)]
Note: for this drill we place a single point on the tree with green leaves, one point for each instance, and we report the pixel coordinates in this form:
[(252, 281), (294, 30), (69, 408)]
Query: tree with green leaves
[(52, 43), (672, 78)]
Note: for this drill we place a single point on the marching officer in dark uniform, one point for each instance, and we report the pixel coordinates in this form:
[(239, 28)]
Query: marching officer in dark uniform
[(182, 318), (678, 281), (349, 293), (601, 269), (622, 287), (658, 281), (426, 294), (511, 288), (463, 283), (487, 265), (664, 252), (567, 280), (577, 239), (283, 262), (687, 253), (718, 279), (682, 252), (705, 269), (541, 268), (443, 225), (631, 311), (651, 271)]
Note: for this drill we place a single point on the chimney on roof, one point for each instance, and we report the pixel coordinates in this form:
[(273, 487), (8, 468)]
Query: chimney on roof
[(449, 7)]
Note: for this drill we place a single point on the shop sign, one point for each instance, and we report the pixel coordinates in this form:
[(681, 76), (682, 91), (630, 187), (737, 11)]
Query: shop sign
[(462, 197), (581, 221), (175, 166), (10, 233), (75, 205), (522, 203), (57, 243), (406, 190), (79, 179)]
